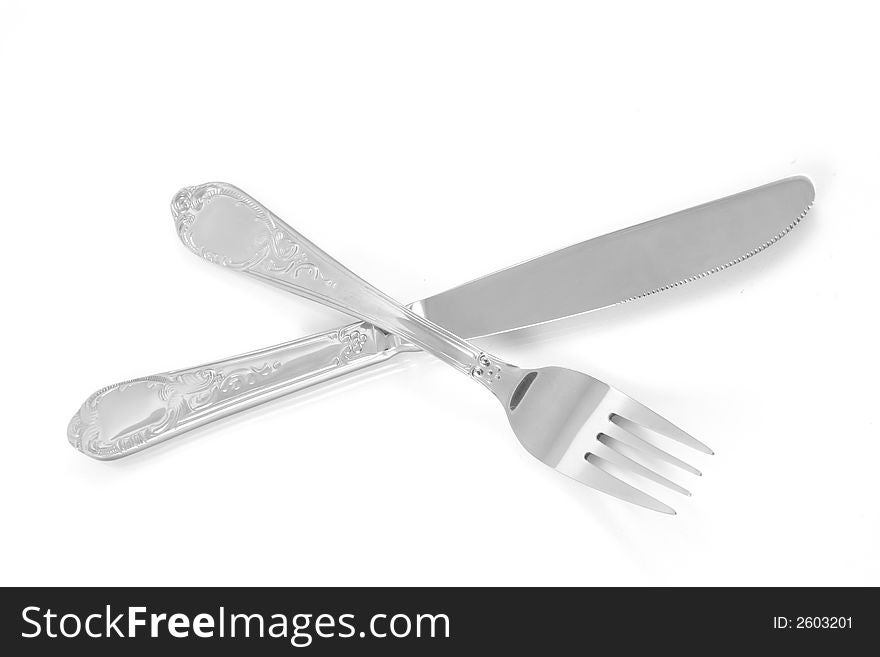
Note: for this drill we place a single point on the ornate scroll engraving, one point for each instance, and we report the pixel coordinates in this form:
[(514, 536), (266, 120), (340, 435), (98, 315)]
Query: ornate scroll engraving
[(132, 415), (126, 416), (353, 341), (244, 377), (274, 249)]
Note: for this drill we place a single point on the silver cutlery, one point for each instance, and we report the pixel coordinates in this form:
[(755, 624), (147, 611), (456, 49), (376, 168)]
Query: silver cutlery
[(127, 417), (564, 418)]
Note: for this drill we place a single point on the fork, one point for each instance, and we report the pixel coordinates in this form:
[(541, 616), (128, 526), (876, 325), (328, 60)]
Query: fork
[(569, 420)]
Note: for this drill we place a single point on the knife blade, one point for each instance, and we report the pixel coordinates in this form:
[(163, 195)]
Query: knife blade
[(130, 416), (624, 265)]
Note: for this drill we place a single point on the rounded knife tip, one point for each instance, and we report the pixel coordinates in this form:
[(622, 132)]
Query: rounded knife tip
[(807, 184)]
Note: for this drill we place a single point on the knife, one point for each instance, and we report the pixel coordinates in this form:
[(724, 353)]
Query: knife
[(628, 264)]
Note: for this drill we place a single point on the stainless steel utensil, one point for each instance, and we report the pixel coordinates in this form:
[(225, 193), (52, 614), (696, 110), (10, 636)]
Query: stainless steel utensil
[(127, 417), (562, 417)]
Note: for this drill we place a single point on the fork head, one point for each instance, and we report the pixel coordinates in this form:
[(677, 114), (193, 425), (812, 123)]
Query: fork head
[(590, 432)]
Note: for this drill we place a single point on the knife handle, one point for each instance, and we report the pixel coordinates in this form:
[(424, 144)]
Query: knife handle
[(128, 417), (226, 226)]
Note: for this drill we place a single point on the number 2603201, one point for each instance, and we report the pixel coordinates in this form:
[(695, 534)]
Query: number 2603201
[(813, 623)]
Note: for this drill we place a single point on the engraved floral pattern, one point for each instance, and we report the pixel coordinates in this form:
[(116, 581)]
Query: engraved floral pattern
[(246, 376), (276, 251), (129, 416), (353, 341), (175, 396)]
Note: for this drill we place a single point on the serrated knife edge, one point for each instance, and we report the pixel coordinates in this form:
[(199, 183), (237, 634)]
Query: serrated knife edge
[(629, 264), (736, 261)]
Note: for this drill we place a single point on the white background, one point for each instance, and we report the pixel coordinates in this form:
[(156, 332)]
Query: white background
[(425, 144)]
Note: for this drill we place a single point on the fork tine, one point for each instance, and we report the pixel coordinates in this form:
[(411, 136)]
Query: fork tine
[(616, 432), (614, 457), (640, 414), (595, 477)]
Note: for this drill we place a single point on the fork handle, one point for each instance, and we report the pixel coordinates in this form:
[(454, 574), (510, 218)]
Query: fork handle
[(127, 417), (224, 225)]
